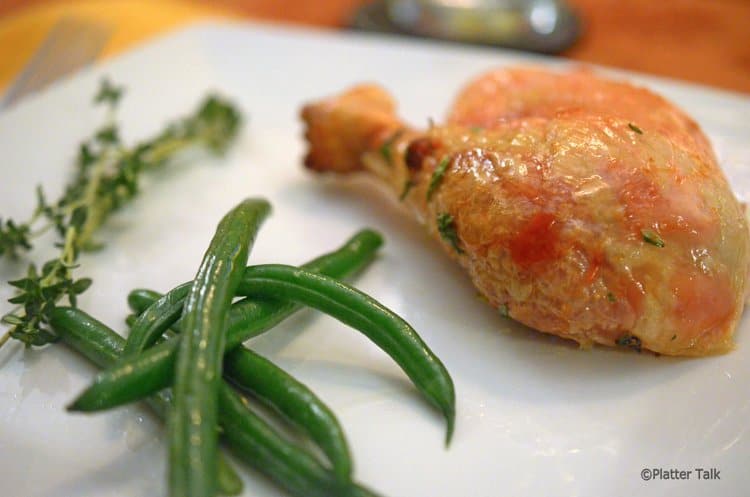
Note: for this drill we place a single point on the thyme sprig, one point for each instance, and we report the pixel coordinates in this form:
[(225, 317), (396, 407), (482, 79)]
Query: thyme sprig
[(106, 178)]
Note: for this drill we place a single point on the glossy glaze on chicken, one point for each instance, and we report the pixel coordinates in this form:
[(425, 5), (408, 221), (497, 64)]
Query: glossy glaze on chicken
[(585, 208)]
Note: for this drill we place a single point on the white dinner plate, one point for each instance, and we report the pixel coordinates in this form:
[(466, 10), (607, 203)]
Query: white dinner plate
[(536, 415)]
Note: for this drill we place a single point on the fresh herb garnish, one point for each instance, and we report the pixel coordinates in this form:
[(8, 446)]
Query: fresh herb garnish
[(408, 185), (14, 238), (437, 176), (106, 178), (503, 310), (476, 129), (635, 128), (447, 228), (386, 149), (674, 337), (653, 238), (611, 297), (630, 341), (108, 93)]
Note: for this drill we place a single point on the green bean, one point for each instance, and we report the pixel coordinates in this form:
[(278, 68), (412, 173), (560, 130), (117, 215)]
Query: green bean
[(227, 480), (249, 436), (134, 378), (294, 401), (156, 320), (291, 467), (352, 307), (130, 320), (103, 347), (140, 299), (296, 473), (192, 425), (130, 379)]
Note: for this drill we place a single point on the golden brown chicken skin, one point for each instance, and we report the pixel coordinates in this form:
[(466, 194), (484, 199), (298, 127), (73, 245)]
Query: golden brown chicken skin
[(500, 95), (598, 224)]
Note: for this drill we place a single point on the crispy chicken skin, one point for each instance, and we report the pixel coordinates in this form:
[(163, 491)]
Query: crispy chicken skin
[(528, 92), (588, 209)]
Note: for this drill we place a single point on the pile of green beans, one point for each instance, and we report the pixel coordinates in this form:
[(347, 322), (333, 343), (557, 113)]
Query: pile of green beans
[(183, 342), (256, 442), (137, 377)]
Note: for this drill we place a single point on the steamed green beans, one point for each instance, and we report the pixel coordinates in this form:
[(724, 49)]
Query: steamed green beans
[(294, 401), (103, 347), (291, 467), (251, 438), (352, 307), (193, 421), (137, 377), (158, 316), (360, 311), (289, 397)]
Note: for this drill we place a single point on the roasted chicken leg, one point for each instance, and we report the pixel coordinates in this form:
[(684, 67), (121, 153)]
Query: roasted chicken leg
[(585, 208)]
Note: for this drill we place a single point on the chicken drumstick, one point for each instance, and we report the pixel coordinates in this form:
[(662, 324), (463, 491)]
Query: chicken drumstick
[(585, 208)]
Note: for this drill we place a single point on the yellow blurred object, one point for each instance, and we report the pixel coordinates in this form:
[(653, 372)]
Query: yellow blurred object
[(131, 22)]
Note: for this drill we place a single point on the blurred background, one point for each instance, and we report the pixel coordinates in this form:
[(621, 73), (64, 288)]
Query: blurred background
[(700, 41)]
